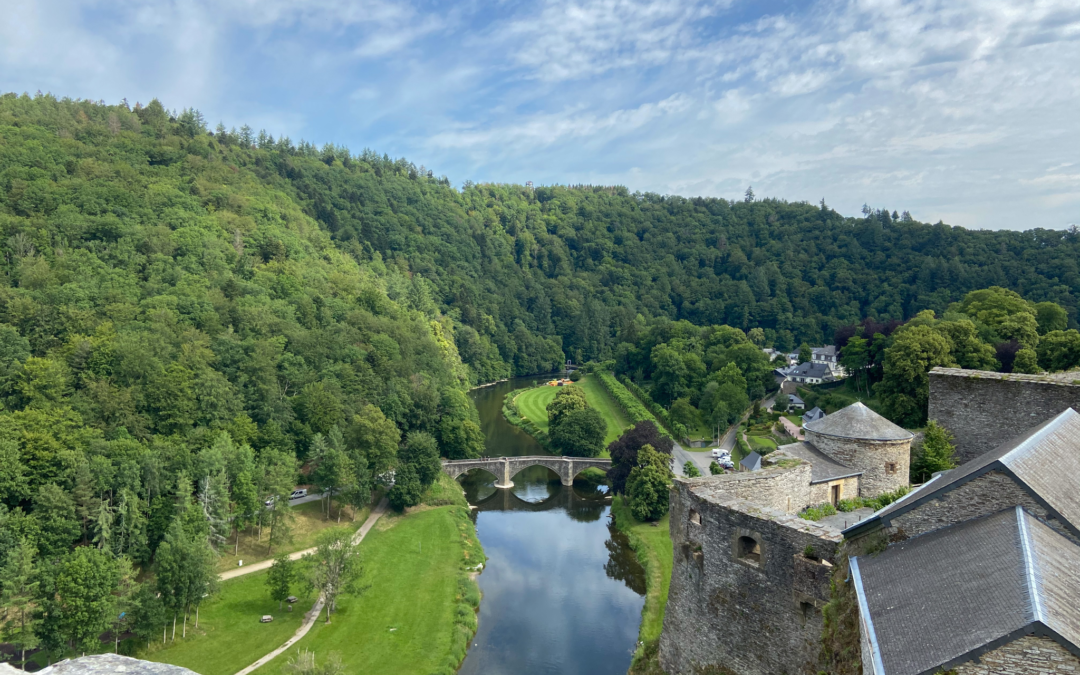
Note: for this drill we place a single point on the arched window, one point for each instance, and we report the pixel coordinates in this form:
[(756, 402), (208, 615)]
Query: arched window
[(749, 550)]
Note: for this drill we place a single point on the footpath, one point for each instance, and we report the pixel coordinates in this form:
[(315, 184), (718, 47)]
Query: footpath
[(313, 614)]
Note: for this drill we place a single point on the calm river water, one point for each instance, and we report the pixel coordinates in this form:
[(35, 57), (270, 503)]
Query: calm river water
[(562, 589)]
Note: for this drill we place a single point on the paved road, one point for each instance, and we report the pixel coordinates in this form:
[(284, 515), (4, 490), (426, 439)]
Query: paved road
[(313, 614)]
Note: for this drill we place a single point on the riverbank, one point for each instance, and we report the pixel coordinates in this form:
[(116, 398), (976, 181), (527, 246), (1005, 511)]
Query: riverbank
[(652, 545), (416, 574)]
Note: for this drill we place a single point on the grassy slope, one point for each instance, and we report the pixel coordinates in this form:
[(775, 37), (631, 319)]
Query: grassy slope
[(532, 405), (652, 544), (230, 636), (306, 527)]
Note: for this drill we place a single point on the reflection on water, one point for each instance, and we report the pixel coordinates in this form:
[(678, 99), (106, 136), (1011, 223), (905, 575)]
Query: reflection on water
[(562, 590)]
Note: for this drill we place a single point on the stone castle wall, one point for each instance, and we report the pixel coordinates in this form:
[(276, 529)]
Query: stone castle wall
[(984, 409), (1030, 655), (884, 463), (992, 492), (776, 486), (732, 610)]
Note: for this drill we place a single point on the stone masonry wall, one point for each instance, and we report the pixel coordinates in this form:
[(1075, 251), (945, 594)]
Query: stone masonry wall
[(785, 488), (989, 493), (733, 612), (984, 409), (1030, 655), (871, 457), (821, 493)]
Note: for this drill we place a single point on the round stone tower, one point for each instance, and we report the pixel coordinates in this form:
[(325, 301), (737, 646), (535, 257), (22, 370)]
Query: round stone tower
[(858, 437)]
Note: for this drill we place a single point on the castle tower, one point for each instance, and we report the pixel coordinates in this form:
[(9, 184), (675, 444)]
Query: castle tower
[(858, 437)]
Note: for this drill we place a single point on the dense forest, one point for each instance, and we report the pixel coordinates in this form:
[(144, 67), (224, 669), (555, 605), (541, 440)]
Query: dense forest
[(190, 319)]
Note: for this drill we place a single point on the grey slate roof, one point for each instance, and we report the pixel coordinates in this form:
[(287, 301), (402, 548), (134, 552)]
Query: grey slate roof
[(1045, 459), (822, 467), (103, 664), (936, 601), (858, 421), (809, 369), (792, 398), (752, 462), (813, 414)]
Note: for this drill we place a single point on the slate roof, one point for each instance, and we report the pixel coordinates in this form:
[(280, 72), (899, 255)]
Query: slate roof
[(827, 350), (108, 664), (936, 601), (751, 462), (1045, 460), (792, 398), (813, 414), (858, 421), (822, 467), (809, 369)]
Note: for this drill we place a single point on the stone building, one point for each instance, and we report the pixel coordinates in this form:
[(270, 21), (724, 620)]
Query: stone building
[(979, 573), (105, 664), (749, 578), (982, 408), (859, 438)]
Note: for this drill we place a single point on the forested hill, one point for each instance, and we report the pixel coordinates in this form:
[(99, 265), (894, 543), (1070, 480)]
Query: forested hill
[(517, 278)]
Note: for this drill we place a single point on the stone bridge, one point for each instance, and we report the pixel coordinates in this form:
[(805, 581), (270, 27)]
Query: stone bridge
[(504, 468)]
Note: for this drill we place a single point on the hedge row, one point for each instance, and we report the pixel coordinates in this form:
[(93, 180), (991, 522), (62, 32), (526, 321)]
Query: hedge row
[(646, 400), (634, 408)]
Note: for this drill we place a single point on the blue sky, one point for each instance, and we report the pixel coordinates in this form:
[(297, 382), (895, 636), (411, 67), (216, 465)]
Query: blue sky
[(966, 111)]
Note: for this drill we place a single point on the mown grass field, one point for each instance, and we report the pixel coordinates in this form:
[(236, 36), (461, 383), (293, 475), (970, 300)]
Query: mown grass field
[(404, 622), (230, 636), (652, 544), (532, 405)]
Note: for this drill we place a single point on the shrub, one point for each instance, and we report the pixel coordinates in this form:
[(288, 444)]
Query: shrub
[(634, 408), (690, 471), (816, 513), (715, 469)]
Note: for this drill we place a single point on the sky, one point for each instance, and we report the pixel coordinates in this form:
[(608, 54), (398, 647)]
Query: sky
[(966, 111)]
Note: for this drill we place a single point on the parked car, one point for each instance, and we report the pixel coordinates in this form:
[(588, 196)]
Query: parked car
[(297, 494), (720, 453), (726, 464)]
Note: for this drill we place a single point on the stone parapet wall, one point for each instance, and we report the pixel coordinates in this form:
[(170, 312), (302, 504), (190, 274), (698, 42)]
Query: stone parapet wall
[(1030, 655), (784, 486), (736, 613), (873, 458), (984, 409)]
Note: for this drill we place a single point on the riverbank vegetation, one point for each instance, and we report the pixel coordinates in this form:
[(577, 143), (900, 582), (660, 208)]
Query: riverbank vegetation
[(592, 421), (651, 542)]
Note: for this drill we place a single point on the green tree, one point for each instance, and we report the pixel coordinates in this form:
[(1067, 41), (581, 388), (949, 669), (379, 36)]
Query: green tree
[(715, 469), (690, 470), (904, 390), (278, 481), (579, 434), (148, 615), (1026, 361), (280, 578), (246, 505), (855, 357), (648, 484), (334, 569), (567, 400), (935, 454), (683, 413), (18, 590), (14, 486), (461, 439), (377, 437), (54, 513), (421, 451), (407, 489), (806, 355), (79, 603), (781, 403), (333, 473), (1059, 350), (1050, 317)]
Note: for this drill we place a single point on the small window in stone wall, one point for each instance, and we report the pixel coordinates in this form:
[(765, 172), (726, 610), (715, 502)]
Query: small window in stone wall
[(749, 550), (695, 517), (807, 609), (890, 468)]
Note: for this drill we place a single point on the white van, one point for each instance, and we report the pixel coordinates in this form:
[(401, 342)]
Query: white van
[(297, 494), (719, 453)]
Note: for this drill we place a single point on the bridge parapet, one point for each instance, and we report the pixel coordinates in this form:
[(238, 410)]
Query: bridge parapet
[(504, 468)]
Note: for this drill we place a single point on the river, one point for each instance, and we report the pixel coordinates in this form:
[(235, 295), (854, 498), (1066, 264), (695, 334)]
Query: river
[(562, 589)]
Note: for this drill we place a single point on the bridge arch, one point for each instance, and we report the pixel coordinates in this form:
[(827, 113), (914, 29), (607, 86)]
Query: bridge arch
[(505, 468)]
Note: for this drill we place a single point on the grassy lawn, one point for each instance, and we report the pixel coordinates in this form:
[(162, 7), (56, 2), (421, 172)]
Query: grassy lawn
[(652, 544), (408, 620), (306, 526), (532, 405), (230, 636), (760, 443)]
